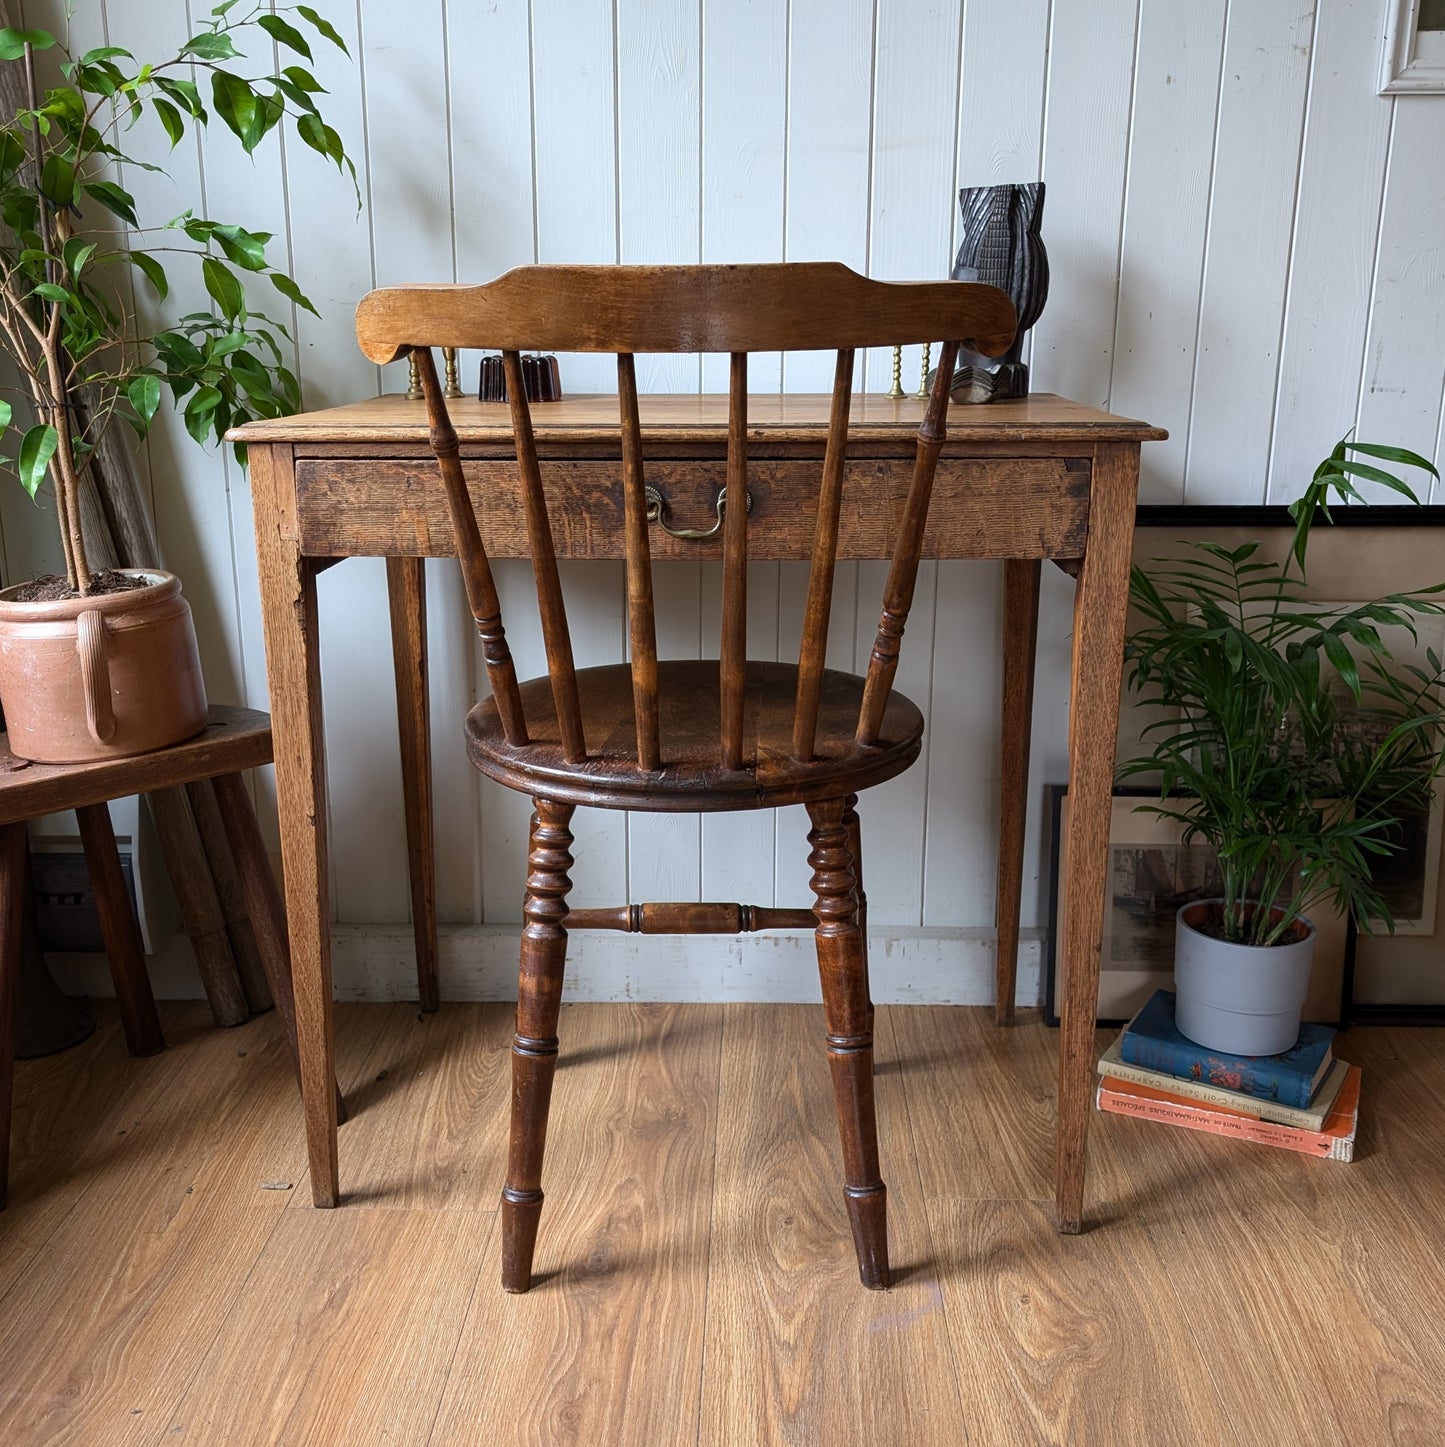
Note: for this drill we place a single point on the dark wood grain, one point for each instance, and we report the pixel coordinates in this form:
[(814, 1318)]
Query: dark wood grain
[(747, 308), (542, 551), (534, 1046), (847, 1011), (641, 616), (693, 778), (235, 738), (702, 918), (903, 571), (685, 736), (124, 952), (467, 544), (1020, 641), (813, 646), (733, 651)]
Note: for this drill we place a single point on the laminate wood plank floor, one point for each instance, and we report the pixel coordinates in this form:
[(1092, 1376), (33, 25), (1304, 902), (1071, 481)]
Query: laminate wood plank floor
[(164, 1278)]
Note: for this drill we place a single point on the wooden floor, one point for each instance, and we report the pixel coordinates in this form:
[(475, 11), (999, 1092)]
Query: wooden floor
[(164, 1279)]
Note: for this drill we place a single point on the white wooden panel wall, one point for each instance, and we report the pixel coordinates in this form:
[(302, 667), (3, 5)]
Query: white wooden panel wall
[(1246, 247)]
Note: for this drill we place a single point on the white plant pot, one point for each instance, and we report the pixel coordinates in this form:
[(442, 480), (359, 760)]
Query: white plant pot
[(1239, 999)]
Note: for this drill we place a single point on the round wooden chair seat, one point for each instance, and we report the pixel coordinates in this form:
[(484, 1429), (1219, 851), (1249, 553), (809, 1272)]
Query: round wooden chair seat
[(691, 778)]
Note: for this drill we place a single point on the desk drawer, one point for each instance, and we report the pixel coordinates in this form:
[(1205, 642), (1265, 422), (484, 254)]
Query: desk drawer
[(991, 507)]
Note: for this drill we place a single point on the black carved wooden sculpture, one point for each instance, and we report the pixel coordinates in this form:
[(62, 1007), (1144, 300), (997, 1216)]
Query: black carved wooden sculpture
[(1001, 246)]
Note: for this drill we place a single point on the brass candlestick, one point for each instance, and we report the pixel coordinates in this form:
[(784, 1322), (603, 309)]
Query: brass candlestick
[(413, 378), (453, 386), (923, 374), (896, 390)]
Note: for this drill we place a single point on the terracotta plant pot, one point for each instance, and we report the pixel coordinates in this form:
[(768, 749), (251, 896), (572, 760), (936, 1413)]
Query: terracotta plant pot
[(102, 677)]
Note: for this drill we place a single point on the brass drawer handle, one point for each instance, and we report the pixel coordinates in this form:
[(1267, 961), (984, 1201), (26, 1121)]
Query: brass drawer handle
[(657, 513)]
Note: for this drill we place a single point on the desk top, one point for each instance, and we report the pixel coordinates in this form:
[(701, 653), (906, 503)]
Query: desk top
[(798, 416)]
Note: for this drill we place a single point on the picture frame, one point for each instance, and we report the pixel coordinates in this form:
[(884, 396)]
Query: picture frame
[(1412, 60), (1363, 553), (1152, 873)]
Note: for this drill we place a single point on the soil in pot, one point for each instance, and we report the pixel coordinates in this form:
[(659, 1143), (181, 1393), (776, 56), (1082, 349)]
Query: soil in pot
[(48, 588)]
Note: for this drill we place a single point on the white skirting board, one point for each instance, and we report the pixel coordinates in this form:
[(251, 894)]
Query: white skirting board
[(479, 962)]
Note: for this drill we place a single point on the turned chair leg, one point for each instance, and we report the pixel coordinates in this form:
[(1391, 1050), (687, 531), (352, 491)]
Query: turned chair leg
[(842, 965), (855, 848), (534, 1046)]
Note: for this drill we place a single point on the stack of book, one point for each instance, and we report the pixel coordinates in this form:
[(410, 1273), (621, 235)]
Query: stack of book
[(1304, 1100)]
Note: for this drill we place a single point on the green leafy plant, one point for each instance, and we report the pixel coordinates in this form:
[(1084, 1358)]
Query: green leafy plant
[(84, 355), (1295, 743)]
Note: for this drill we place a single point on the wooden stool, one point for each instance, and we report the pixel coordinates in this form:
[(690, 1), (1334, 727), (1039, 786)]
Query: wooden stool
[(235, 739)]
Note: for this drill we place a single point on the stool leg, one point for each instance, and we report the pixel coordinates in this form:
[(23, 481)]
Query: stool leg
[(263, 904), (534, 1047), (13, 843), (842, 965), (124, 951)]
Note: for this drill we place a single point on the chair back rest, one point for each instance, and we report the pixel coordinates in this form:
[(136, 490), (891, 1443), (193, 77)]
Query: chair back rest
[(732, 309)]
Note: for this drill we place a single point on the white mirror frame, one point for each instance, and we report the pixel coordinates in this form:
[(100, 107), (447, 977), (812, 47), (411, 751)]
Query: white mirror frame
[(1413, 63)]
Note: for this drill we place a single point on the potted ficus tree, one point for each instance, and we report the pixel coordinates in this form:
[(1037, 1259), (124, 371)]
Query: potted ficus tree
[(1293, 743), (104, 664)]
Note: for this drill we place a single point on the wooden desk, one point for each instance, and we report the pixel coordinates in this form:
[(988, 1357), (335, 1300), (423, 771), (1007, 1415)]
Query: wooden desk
[(1020, 481)]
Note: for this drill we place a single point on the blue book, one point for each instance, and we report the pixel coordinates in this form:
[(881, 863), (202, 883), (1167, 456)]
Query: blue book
[(1152, 1041)]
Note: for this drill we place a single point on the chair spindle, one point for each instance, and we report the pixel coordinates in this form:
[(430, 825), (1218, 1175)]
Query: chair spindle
[(825, 555), (476, 568), (732, 661), (550, 604), (641, 614), (903, 572)]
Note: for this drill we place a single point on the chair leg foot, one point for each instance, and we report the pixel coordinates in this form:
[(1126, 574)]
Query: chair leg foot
[(521, 1214), (534, 1047), (843, 968), (868, 1216)]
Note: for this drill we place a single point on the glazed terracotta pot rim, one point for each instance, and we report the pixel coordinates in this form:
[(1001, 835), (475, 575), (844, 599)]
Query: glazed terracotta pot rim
[(58, 610)]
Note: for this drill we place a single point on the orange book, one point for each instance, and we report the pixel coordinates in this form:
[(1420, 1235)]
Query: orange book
[(1335, 1141)]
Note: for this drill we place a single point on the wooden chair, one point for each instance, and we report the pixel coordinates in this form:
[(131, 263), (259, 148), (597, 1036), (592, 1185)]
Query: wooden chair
[(689, 736), (235, 739)]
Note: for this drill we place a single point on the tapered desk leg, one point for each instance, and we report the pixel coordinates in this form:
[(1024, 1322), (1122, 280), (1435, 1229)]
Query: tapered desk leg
[(288, 609), (1100, 608), (1020, 641), (406, 591), (264, 906)]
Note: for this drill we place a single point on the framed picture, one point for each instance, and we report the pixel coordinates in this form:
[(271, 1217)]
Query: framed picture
[(1413, 59), (1367, 552), (1152, 874)]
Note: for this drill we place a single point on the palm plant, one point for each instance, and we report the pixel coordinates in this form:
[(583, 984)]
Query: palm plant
[(84, 355), (1295, 744)]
